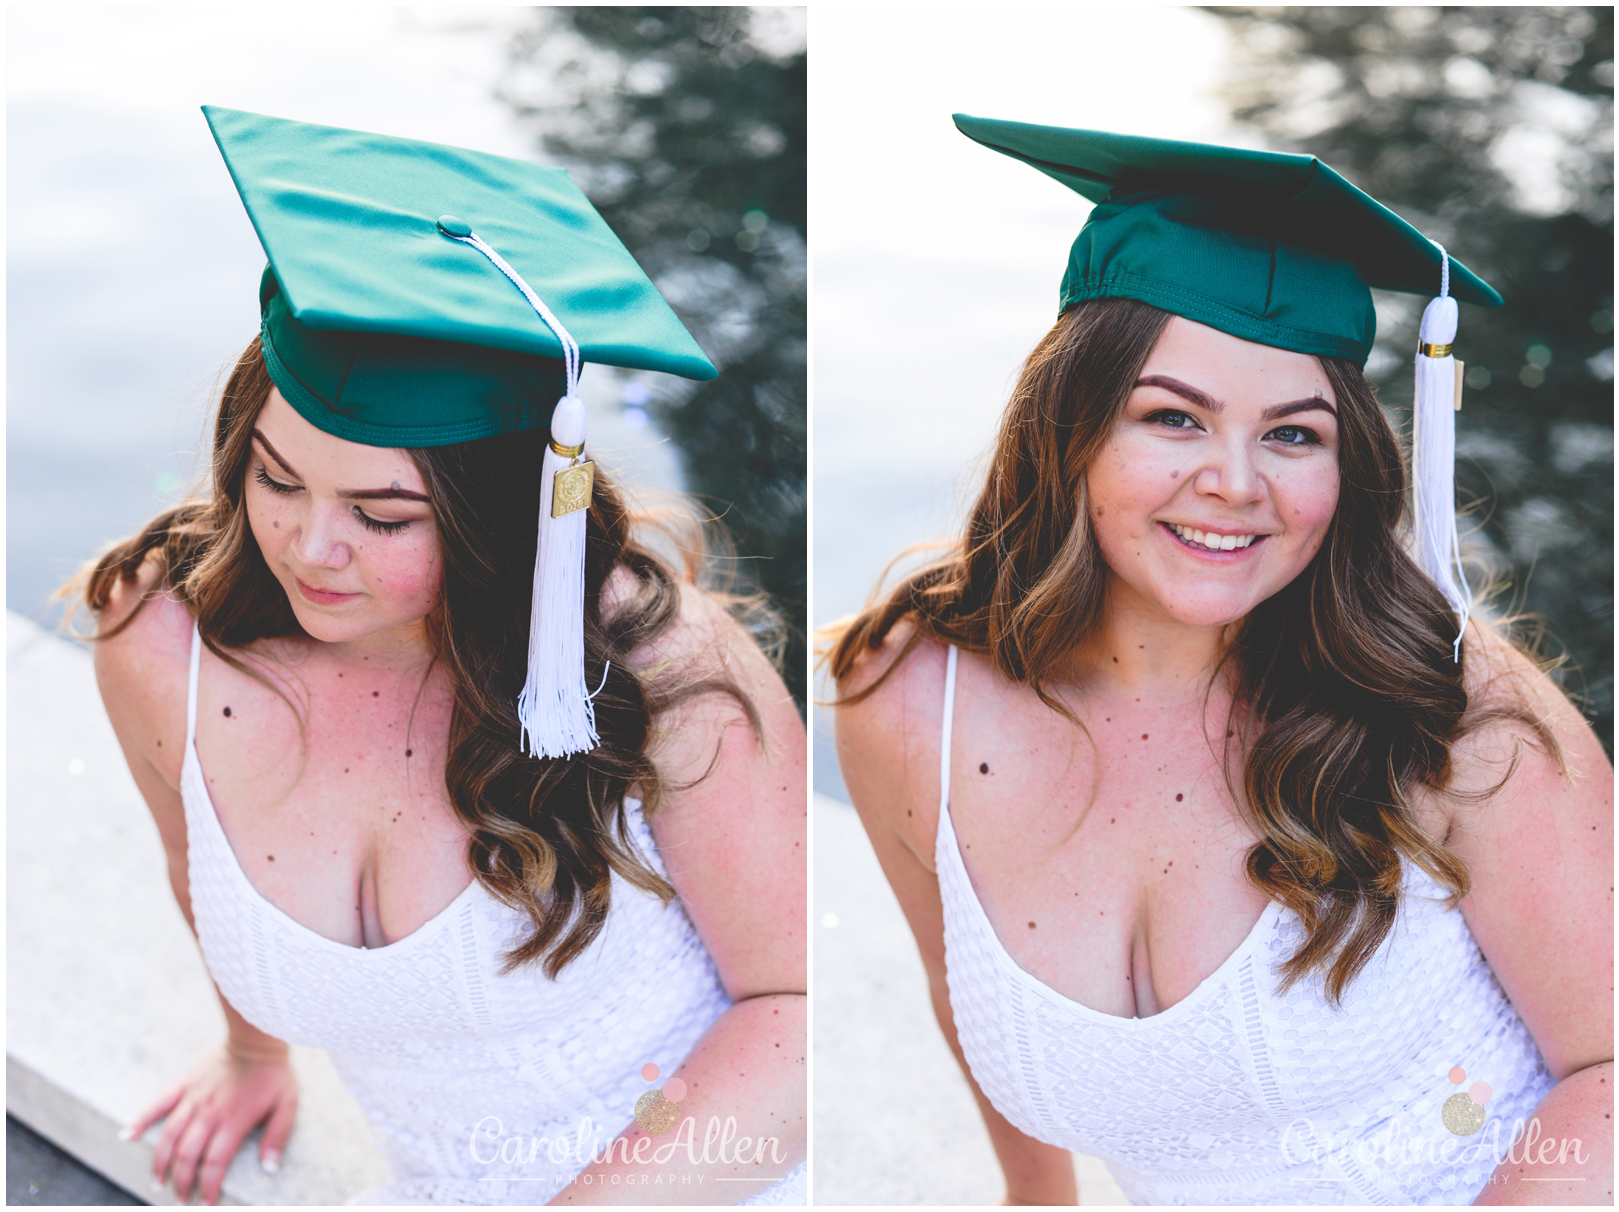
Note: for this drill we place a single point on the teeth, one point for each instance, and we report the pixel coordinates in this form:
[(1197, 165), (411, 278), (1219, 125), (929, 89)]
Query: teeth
[(1214, 542)]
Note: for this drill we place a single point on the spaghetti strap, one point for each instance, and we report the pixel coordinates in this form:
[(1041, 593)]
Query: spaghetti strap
[(191, 692), (944, 738)]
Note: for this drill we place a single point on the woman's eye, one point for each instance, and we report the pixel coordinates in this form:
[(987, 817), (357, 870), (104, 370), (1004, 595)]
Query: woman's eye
[(1296, 435), (275, 486), (1171, 418), (379, 527)]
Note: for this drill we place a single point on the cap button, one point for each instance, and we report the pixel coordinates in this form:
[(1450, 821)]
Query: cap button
[(451, 226)]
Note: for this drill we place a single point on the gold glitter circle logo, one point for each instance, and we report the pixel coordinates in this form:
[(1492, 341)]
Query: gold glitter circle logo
[(1461, 1114), (658, 1111), (656, 1114)]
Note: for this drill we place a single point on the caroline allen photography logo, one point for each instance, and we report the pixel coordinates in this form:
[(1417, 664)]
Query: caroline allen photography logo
[(657, 1113), (1462, 1114)]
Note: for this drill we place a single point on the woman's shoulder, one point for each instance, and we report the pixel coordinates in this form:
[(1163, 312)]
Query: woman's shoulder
[(1521, 733), (142, 656), (896, 689), (701, 640), (711, 677), (889, 724)]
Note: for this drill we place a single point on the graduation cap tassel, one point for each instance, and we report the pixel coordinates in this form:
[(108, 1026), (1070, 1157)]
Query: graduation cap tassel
[(1438, 396), (555, 707)]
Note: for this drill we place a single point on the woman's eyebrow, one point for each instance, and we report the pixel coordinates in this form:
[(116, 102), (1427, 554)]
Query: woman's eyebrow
[(1185, 390), (392, 493), (275, 454), (1203, 400), (395, 493), (1277, 411)]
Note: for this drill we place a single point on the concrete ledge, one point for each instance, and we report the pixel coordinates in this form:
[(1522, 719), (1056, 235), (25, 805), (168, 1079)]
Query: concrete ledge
[(108, 999), (895, 1121)]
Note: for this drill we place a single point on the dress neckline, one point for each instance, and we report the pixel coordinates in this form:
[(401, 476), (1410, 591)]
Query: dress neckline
[(1003, 957), (192, 780), (398, 947), (946, 842)]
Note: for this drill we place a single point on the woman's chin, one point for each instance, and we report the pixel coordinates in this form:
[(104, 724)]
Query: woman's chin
[(326, 625), (1208, 613)]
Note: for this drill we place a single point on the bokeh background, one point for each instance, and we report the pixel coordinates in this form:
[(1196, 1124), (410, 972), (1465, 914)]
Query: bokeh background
[(132, 269), (936, 265)]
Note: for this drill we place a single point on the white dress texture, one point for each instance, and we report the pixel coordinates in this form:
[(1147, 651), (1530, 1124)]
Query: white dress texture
[(1241, 1095), (481, 1088)]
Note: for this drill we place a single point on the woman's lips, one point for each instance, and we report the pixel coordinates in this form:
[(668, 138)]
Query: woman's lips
[(321, 597), (1209, 553)]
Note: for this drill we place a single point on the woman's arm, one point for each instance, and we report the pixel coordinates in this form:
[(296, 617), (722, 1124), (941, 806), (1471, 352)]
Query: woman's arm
[(246, 1079), (1540, 853), (888, 748), (733, 842)]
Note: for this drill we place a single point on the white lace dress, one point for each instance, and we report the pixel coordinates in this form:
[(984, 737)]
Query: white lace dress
[(1238, 1095), (482, 1088)]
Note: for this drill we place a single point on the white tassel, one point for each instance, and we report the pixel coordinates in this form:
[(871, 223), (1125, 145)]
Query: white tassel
[(1438, 545), (555, 707)]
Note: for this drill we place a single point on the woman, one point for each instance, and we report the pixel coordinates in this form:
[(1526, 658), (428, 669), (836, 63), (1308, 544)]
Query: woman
[(315, 674), (1175, 764)]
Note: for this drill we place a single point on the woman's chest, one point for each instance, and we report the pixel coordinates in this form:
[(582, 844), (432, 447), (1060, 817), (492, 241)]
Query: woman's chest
[(1113, 875), (1112, 867), (334, 804)]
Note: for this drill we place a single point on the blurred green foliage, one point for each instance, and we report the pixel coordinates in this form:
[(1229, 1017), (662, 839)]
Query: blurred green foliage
[(686, 128), (1491, 130)]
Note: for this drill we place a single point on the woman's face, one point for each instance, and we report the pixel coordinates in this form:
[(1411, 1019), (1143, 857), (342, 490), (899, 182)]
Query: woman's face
[(1217, 485), (347, 529)]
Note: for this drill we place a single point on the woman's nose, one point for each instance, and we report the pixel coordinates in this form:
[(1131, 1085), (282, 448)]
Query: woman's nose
[(319, 543), (1231, 473)]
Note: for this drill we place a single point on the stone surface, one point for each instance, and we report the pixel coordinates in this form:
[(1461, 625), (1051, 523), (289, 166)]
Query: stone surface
[(895, 1121), (108, 1000)]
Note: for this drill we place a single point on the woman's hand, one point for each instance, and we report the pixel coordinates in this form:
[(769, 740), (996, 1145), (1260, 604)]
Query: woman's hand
[(228, 1091)]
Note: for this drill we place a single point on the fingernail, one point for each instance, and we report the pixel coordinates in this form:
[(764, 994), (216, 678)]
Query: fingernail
[(126, 1133), (157, 1184), (271, 1163)]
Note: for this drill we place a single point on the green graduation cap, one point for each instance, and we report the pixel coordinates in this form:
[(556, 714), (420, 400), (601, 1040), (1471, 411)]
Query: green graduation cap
[(1268, 246), (381, 328), (424, 295)]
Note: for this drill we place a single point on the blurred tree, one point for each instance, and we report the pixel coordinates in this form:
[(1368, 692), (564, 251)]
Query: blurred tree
[(1491, 130), (686, 128)]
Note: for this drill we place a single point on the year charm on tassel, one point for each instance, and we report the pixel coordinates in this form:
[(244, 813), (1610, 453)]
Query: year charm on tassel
[(572, 488)]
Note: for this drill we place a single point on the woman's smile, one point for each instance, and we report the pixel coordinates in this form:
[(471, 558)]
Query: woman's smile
[(1213, 542)]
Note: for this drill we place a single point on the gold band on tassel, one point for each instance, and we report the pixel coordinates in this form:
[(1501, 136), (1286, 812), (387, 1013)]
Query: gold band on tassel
[(573, 452), (1427, 351)]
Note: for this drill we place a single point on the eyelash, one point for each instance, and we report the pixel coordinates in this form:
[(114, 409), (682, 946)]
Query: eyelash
[(370, 523), (1311, 438)]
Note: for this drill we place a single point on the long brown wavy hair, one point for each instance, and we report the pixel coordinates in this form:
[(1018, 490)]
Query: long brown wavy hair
[(1346, 694), (545, 834)]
